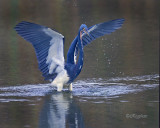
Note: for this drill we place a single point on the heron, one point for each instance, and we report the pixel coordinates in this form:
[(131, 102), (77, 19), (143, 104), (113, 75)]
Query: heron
[(49, 48)]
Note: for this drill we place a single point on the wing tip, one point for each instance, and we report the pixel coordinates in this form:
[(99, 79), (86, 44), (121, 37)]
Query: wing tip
[(22, 23), (26, 25), (118, 22), (122, 20)]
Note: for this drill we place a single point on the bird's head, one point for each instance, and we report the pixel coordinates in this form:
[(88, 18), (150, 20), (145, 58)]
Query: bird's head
[(83, 29)]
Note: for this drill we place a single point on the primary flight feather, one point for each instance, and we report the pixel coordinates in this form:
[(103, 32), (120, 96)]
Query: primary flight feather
[(48, 45)]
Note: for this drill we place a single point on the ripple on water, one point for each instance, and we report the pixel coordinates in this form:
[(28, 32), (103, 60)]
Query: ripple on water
[(112, 88), (115, 86)]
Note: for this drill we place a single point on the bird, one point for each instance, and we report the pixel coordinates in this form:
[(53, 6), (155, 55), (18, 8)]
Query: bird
[(49, 49)]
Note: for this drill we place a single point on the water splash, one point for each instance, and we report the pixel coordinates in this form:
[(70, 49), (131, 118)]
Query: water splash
[(116, 86), (26, 90), (112, 88)]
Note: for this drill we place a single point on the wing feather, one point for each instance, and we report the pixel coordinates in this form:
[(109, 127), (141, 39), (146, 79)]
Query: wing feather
[(48, 45), (101, 29)]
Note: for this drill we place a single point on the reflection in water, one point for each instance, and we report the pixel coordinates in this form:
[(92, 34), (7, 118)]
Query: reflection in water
[(60, 111), (99, 102)]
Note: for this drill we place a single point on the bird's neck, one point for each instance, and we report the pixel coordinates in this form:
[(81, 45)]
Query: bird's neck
[(70, 54), (79, 64), (76, 69)]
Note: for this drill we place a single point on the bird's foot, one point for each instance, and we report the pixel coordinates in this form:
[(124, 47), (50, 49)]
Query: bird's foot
[(59, 87), (70, 87)]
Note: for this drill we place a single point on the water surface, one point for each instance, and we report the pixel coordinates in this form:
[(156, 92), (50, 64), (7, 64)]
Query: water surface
[(110, 102)]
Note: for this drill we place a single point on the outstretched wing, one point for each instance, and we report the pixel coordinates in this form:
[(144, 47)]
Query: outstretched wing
[(98, 30), (101, 29), (48, 45)]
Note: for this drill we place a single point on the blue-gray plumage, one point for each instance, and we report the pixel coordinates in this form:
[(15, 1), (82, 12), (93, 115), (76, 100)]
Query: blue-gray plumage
[(49, 44)]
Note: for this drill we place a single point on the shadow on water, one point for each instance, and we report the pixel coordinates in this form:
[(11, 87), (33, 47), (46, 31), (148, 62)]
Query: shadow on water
[(60, 111)]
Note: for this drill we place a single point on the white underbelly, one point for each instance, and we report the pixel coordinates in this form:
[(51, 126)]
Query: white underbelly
[(61, 79)]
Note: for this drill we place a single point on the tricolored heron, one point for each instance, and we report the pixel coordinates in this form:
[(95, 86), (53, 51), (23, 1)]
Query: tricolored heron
[(49, 44)]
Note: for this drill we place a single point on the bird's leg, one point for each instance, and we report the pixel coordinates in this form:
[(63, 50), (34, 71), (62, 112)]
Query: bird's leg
[(70, 87), (59, 87)]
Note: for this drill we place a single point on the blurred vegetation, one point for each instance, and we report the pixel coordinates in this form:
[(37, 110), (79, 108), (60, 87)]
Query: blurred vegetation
[(132, 50)]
